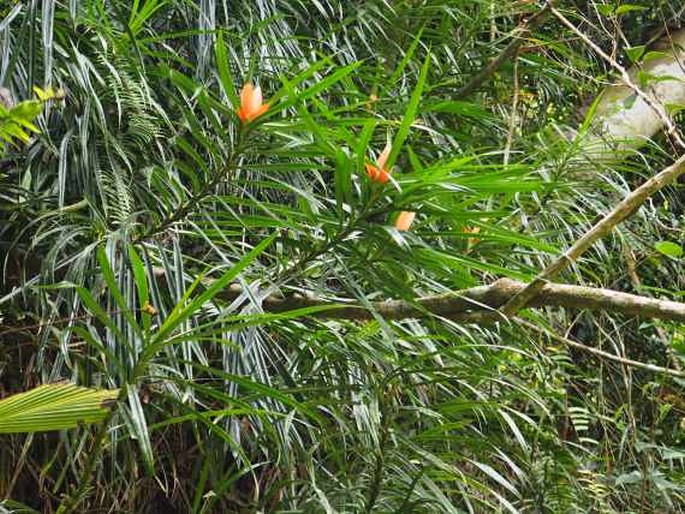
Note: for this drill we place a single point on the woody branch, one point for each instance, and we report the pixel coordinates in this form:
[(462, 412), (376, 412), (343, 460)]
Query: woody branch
[(477, 304)]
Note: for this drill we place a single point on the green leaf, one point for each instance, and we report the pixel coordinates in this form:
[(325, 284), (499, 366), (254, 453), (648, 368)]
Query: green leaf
[(626, 8), (140, 275), (316, 88), (224, 71), (343, 183), (406, 59), (54, 407), (629, 101), (409, 114), (27, 110), (606, 10), (650, 56), (363, 143), (467, 109), (183, 311), (140, 429), (634, 53), (12, 507), (113, 289), (669, 249), (674, 108)]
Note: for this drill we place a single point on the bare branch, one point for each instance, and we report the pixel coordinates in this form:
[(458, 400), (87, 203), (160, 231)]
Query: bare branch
[(627, 206), (477, 304)]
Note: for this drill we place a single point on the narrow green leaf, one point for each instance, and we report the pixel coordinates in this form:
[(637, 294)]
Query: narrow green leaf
[(140, 430), (183, 312), (113, 289), (409, 115), (317, 87), (224, 71), (406, 59), (343, 183), (141, 279), (626, 8)]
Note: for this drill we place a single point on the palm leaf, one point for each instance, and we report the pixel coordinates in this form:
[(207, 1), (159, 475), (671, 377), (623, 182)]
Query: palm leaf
[(54, 407)]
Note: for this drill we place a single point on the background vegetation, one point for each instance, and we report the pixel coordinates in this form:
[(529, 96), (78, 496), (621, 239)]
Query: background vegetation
[(144, 227)]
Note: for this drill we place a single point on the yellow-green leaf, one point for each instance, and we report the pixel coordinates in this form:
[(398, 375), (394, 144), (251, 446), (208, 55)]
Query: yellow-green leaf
[(54, 407)]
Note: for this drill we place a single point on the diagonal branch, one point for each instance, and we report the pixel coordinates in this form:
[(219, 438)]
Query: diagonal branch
[(627, 206), (477, 304), (618, 214), (654, 104), (518, 38)]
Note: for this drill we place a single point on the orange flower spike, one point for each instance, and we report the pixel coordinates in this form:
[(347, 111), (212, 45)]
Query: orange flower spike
[(404, 220), (379, 173), (251, 106)]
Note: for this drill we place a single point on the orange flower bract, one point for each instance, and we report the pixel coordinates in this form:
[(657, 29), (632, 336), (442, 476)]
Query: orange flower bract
[(471, 240), (404, 220), (251, 103), (379, 173)]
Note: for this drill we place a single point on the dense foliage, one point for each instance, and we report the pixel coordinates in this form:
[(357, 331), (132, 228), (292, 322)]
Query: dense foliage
[(144, 226)]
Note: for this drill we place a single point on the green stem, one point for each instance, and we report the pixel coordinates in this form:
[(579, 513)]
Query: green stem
[(72, 501), (195, 200)]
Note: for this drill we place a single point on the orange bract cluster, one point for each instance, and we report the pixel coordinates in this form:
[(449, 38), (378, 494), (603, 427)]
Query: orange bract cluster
[(251, 103), (252, 106), (379, 173)]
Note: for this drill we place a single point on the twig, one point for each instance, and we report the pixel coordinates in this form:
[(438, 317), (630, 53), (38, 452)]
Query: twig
[(205, 191), (600, 353), (658, 109), (474, 305), (623, 209), (513, 118), (509, 50)]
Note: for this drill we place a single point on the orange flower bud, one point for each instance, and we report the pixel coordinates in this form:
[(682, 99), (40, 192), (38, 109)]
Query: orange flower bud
[(471, 240), (404, 220), (251, 106), (379, 173)]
